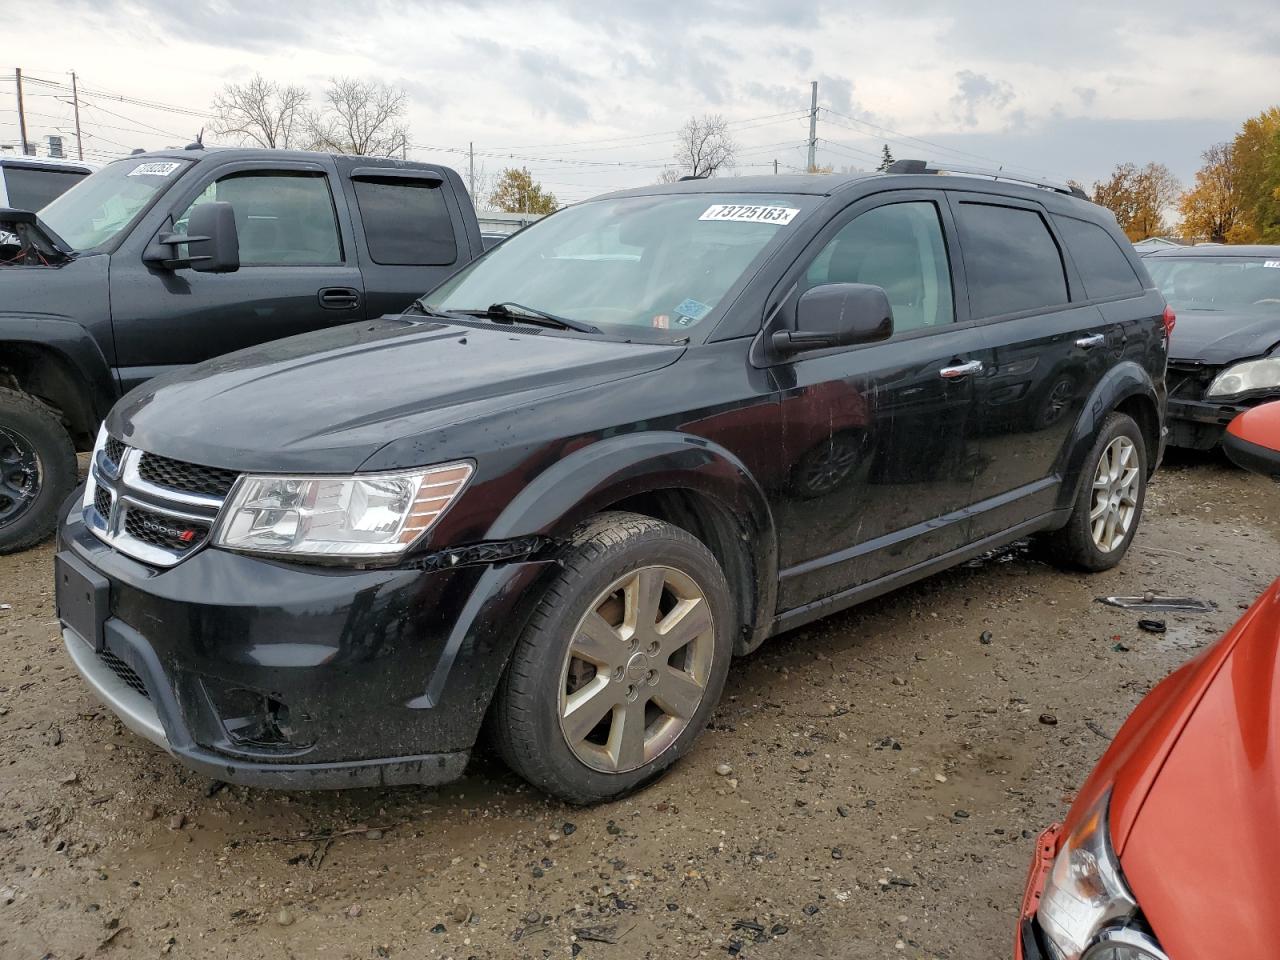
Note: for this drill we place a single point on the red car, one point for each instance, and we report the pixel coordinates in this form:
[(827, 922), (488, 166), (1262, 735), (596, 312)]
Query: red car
[(1171, 850)]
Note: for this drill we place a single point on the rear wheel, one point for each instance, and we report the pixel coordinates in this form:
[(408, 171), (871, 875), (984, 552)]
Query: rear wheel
[(621, 664), (37, 470), (1109, 504)]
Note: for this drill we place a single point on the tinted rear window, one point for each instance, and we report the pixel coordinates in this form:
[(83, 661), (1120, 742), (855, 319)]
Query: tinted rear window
[(30, 188), (1104, 270), (1011, 260), (406, 222)]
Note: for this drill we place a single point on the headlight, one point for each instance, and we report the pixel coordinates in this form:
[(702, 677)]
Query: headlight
[(1085, 892), (1244, 377), (367, 515)]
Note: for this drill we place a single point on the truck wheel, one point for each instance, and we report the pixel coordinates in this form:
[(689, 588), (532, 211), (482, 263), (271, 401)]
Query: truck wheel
[(37, 470), (1109, 504), (621, 663)]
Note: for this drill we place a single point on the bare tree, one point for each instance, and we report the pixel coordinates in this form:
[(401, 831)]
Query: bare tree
[(363, 117), (260, 112), (705, 147)]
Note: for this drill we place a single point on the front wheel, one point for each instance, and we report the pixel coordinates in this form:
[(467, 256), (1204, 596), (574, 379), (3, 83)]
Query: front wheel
[(37, 470), (1109, 505), (621, 664)]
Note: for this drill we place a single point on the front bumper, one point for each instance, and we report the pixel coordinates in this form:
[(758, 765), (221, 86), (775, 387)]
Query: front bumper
[(1198, 424), (297, 676), (1027, 943)]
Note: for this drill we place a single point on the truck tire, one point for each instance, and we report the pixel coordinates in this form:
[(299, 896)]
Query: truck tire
[(37, 470), (1108, 507), (621, 663)]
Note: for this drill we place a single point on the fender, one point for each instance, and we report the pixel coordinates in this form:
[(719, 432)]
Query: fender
[(611, 470), (1123, 381), (78, 351)]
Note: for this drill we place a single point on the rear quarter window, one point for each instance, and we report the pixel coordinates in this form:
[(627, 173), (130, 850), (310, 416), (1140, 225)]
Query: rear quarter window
[(1104, 269), (406, 222), (30, 188), (1012, 262)]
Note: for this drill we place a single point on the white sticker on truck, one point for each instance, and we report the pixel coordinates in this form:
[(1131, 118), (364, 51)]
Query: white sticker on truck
[(749, 213), (1271, 263), (156, 168)]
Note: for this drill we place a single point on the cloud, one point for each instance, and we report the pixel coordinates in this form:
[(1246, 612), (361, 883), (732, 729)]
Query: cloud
[(975, 92)]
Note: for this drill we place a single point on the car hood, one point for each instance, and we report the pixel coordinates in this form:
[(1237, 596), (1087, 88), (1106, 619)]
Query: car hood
[(1217, 338), (326, 402), (1202, 853)]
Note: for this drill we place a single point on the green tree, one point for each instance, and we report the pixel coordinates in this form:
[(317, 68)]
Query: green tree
[(1256, 150), (516, 192), (886, 159)]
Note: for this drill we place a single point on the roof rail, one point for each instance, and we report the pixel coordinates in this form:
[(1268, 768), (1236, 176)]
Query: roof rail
[(924, 166)]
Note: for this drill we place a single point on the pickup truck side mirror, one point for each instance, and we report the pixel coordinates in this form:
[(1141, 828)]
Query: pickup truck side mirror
[(837, 315), (1252, 440), (213, 246)]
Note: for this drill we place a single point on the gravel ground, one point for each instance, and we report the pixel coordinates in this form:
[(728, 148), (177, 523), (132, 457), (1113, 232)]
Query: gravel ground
[(888, 769)]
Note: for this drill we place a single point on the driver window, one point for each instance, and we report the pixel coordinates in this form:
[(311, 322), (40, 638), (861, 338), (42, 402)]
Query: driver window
[(281, 218), (898, 247)]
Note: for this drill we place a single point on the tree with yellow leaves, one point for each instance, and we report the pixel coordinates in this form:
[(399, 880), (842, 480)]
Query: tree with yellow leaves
[(517, 192), (1213, 209), (1256, 151), (1139, 196)]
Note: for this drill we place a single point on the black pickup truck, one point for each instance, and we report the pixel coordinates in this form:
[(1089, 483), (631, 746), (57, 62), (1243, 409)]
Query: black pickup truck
[(101, 292)]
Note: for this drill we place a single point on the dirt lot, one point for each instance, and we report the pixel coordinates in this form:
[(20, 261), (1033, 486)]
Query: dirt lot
[(888, 771)]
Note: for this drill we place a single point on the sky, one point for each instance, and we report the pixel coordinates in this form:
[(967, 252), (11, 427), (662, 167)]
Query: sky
[(589, 94)]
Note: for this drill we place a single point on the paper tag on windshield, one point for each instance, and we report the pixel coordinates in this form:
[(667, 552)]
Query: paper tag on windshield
[(1271, 263), (156, 168), (747, 213)]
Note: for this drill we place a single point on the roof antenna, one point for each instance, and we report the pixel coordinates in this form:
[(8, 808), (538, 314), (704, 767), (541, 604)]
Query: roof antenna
[(199, 142)]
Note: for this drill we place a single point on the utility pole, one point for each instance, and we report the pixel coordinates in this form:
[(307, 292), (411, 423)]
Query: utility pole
[(813, 129), (471, 176), (22, 116), (775, 166), (75, 100)]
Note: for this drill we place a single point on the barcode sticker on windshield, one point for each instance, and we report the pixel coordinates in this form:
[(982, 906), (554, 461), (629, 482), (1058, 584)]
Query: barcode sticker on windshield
[(156, 168), (1271, 263), (746, 213)]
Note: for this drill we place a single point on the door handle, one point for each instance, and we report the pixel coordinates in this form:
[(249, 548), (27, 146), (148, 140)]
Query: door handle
[(1089, 342), (339, 298), (961, 370)]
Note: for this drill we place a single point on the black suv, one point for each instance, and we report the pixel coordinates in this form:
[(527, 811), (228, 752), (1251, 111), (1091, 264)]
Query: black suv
[(558, 495)]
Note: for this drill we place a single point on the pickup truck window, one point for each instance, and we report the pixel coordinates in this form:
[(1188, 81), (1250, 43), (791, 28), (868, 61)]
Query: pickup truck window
[(281, 218), (30, 188), (406, 222), (651, 267), (100, 206)]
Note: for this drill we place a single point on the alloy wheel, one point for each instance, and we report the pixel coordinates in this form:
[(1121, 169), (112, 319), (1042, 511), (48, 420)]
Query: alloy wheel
[(636, 669), (1115, 494), (19, 474)]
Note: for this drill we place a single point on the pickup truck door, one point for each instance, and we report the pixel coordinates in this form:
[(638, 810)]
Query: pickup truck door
[(409, 231), (298, 271)]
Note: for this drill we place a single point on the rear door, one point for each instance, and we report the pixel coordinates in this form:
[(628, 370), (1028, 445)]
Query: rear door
[(298, 272), (407, 233), (1050, 344), (878, 438)]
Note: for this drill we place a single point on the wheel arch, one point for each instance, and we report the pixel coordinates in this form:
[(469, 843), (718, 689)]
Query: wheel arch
[(1126, 388), (60, 364), (681, 479)]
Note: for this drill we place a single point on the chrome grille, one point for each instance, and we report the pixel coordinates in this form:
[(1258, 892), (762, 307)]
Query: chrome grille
[(153, 508)]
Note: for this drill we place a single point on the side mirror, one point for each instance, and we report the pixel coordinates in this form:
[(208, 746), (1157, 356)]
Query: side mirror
[(213, 245), (837, 315), (1252, 440)]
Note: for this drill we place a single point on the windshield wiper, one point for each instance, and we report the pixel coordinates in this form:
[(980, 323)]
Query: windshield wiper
[(430, 311), (510, 310)]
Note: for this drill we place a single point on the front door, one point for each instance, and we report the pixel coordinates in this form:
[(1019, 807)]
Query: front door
[(878, 438), (298, 272)]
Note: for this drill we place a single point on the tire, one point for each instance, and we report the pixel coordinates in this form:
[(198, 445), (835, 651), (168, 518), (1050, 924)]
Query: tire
[(1076, 546), (537, 723), (37, 470)]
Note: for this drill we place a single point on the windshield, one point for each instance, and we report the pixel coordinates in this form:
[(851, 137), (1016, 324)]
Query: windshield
[(1218, 283), (654, 266), (97, 208)]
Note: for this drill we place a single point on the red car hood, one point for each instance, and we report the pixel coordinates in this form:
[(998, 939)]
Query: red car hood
[(1196, 824)]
